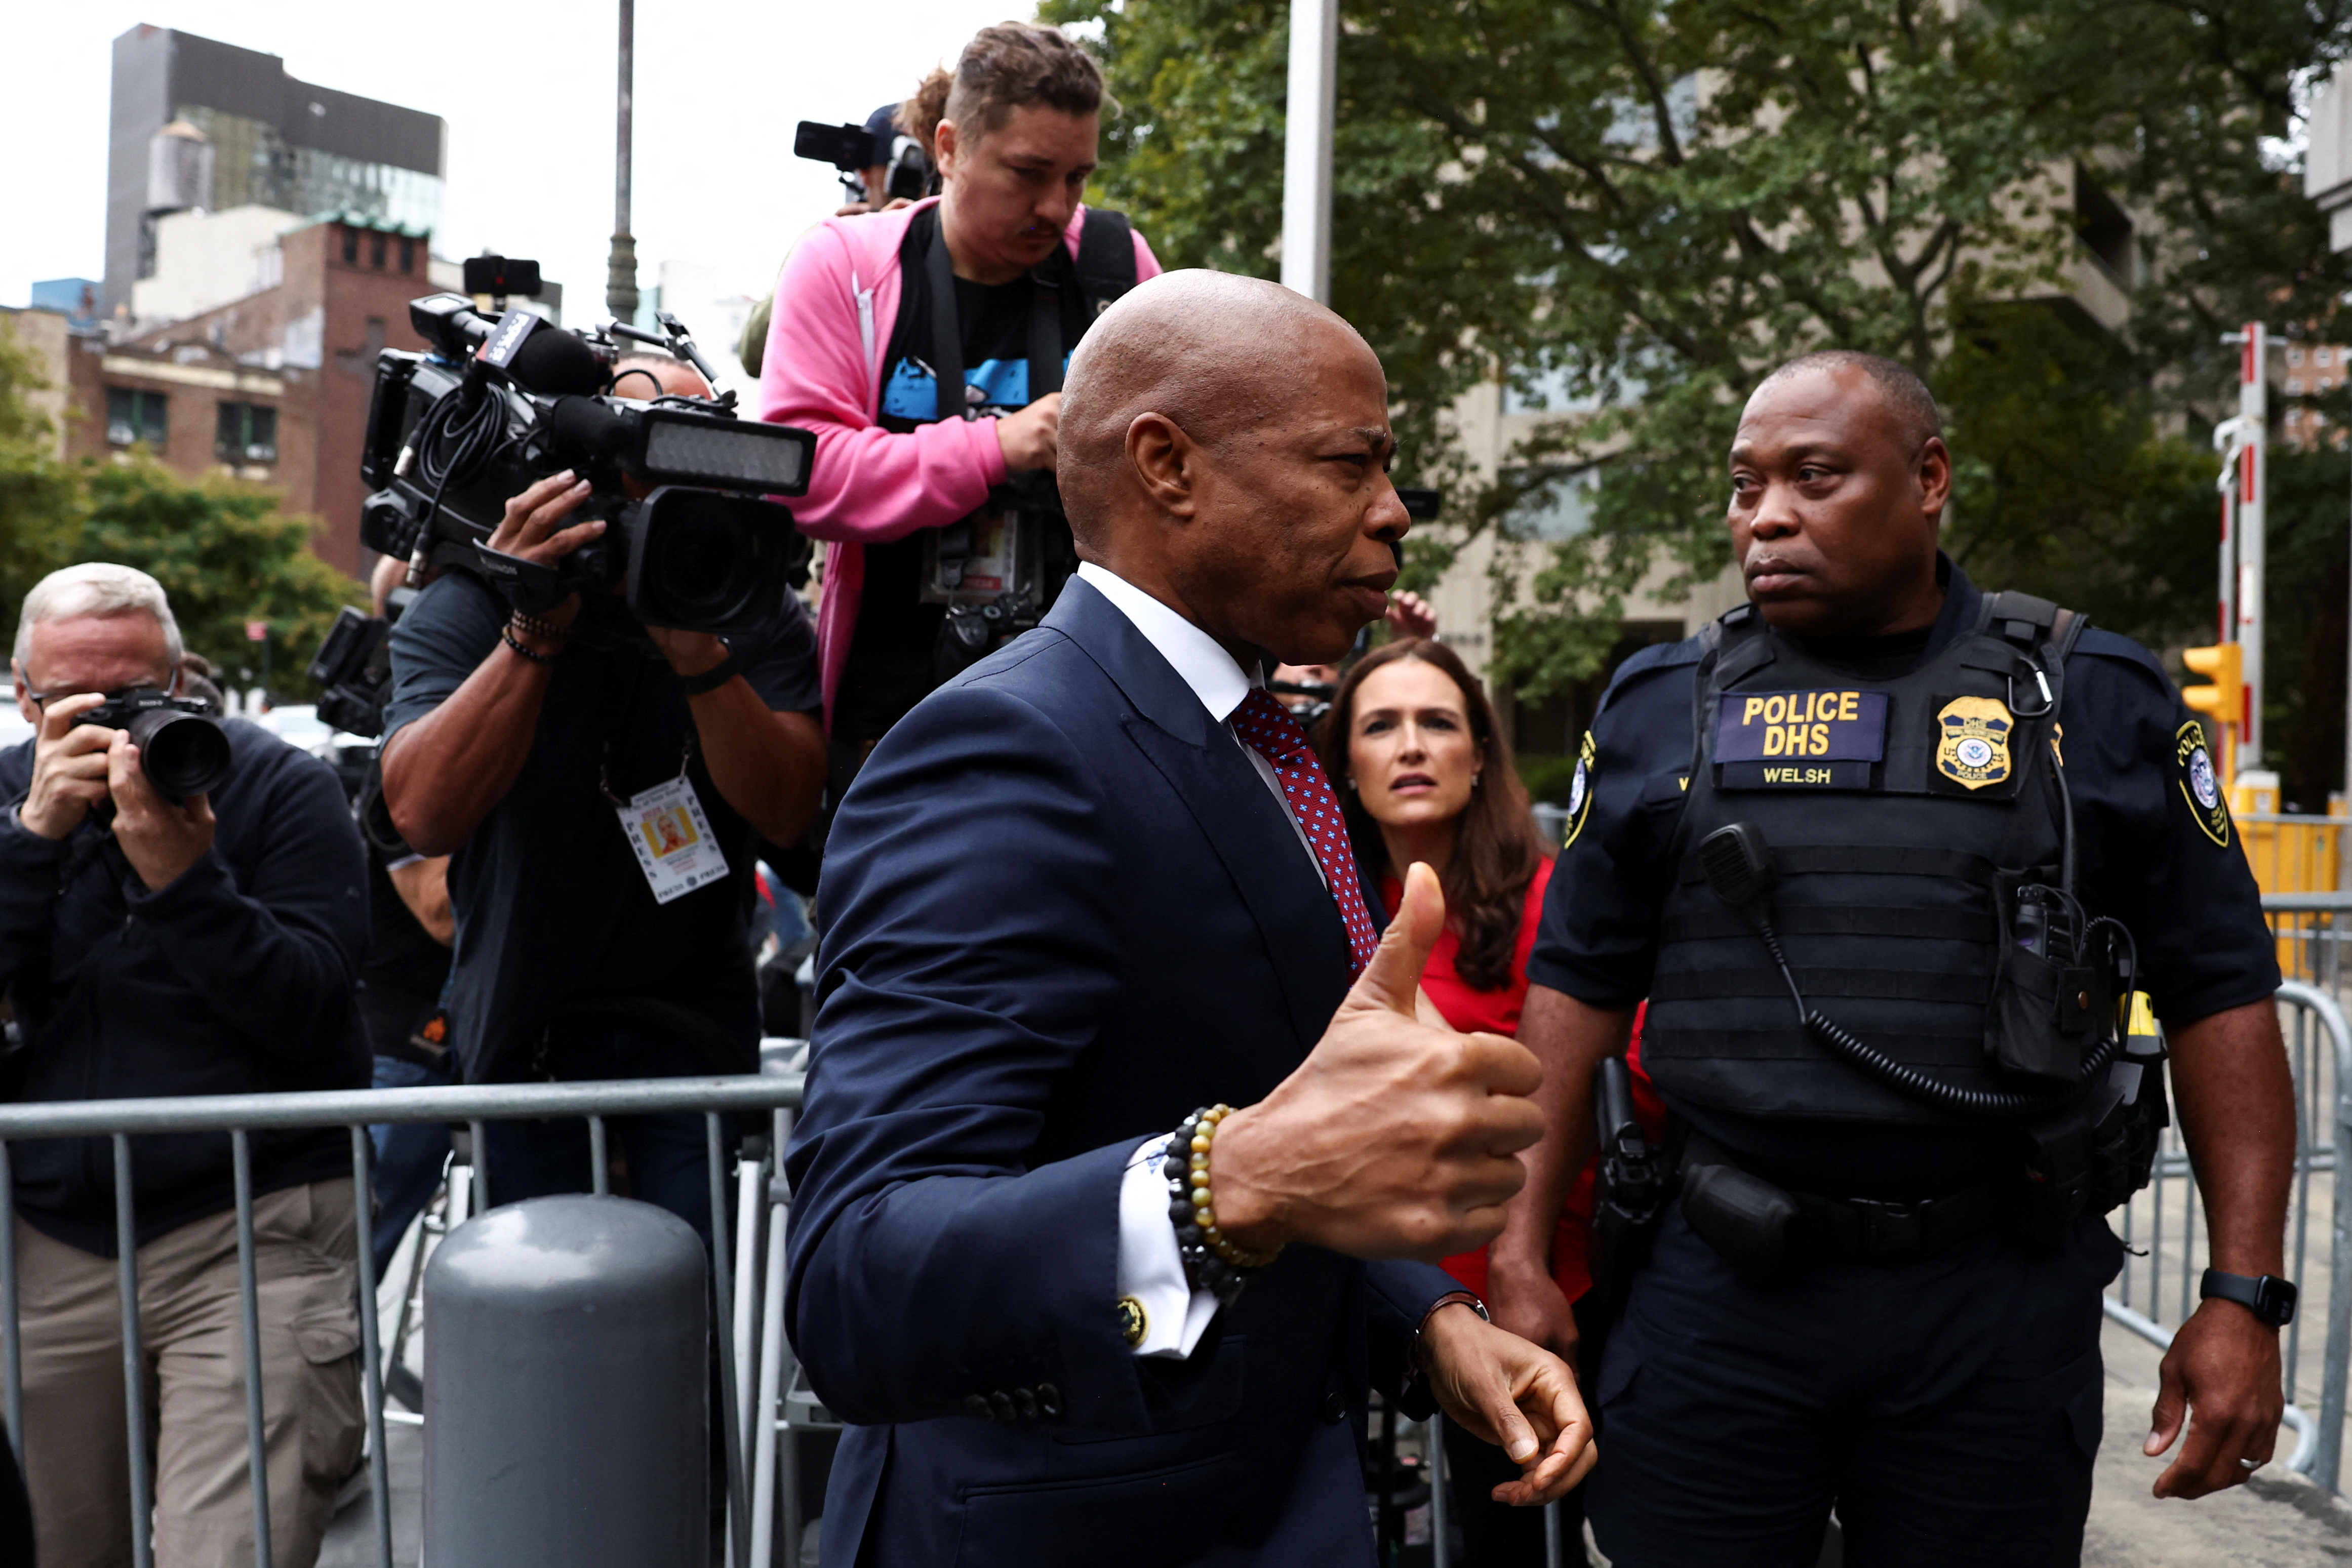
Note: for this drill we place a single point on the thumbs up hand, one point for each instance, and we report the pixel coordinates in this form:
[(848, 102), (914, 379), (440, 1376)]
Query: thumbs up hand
[(1395, 1138)]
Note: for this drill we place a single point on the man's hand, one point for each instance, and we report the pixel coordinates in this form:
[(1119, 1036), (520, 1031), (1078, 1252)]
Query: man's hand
[(533, 530), (1529, 1304), (69, 767), (160, 839), (1516, 1395), (2222, 1373), (1032, 438), (690, 654), (1394, 1138), (1409, 615)]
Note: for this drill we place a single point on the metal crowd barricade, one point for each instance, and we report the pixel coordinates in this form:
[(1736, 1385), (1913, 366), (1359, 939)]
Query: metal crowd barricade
[(752, 1433), (2311, 929), (2156, 1291)]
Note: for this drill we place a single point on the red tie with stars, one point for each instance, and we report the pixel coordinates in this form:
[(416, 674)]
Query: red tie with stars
[(1274, 735)]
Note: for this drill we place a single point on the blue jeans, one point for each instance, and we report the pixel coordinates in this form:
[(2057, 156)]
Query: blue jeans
[(408, 1159), (667, 1155)]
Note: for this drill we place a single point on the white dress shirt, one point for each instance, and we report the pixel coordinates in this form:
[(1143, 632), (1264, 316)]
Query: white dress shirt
[(1150, 1270)]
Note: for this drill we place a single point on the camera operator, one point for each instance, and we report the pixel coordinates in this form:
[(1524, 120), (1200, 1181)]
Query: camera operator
[(553, 757), (1002, 272), (410, 931), (151, 945)]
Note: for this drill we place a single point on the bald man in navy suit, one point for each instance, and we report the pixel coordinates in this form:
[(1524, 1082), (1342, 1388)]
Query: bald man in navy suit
[(1094, 885)]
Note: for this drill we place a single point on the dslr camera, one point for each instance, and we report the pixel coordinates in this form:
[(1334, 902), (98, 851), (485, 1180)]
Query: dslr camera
[(182, 744), (499, 404)]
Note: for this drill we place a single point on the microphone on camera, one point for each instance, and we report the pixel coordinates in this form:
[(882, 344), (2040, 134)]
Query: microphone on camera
[(554, 363), (541, 358), (582, 427)]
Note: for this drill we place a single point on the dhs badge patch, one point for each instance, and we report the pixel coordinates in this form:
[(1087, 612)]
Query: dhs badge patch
[(1972, 741), (2200, 785)]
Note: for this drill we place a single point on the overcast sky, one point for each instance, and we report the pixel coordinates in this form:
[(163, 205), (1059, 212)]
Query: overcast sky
[(529, 102)]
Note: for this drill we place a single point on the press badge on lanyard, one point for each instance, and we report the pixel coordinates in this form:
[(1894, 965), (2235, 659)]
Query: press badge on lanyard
[(666, 826), (1799, 740)]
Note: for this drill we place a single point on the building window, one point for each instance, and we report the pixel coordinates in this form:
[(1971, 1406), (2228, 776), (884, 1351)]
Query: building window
[(133, 414), (2321, 358), (375, 251), (248, 433), (2294, 356), (2294, 385), (408, 256), (351, 246)]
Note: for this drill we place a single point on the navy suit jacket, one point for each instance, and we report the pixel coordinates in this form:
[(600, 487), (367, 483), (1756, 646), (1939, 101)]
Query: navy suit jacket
[(1062, 910)]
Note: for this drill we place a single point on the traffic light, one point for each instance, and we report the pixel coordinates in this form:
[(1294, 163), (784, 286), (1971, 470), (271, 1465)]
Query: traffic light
[(2223, 703)]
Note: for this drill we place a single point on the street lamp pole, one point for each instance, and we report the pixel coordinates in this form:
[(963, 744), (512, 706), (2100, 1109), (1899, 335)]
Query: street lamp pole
[(621, 272), (1306, 148)]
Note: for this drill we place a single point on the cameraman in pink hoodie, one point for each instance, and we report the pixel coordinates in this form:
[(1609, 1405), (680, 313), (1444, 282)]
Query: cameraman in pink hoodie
[(925, 347)]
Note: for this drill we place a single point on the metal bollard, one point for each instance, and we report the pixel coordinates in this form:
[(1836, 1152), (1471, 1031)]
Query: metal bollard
[(566, 1377)]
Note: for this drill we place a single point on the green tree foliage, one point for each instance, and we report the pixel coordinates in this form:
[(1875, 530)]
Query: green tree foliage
[(1642, 208), (225, 555), (37, 492), (223, 550)]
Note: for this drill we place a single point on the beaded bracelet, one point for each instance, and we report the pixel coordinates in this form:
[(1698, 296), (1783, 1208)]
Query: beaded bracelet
[(538, 626), (1212, 1261), (506, 635)]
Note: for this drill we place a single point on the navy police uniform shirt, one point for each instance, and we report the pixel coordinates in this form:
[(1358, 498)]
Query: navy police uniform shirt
[(2159, 851)]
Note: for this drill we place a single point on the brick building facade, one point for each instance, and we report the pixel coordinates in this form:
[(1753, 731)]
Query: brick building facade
[(273, 387)]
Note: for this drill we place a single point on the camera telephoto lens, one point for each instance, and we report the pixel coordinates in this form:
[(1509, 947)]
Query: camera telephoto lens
[(703, 562), (700, 560), (184, 753)]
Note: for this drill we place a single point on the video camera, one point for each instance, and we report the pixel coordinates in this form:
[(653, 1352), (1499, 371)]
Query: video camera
[(182, 745), (353, 666), (852, 149), (498, 404)]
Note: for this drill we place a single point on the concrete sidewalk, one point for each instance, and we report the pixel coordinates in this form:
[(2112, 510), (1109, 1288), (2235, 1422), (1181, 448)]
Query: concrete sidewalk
[(2275, 1521)]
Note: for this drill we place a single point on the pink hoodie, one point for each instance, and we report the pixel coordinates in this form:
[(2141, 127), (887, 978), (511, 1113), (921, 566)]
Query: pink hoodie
[(835, 304)]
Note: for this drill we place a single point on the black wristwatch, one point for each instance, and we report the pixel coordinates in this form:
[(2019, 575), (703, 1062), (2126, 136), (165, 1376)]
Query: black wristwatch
[(2266, 1296), (711, 679)]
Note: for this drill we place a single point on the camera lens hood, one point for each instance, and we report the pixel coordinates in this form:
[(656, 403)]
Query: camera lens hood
[(184, 753)]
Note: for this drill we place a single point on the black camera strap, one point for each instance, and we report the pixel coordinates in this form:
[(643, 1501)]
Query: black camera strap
[(947, 331)]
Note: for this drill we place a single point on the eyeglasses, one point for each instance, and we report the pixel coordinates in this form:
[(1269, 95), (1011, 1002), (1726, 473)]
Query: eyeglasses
[(43, 699)]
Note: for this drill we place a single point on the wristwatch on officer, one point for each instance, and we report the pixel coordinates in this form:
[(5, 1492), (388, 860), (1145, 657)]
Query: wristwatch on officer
[(2266, 1296)]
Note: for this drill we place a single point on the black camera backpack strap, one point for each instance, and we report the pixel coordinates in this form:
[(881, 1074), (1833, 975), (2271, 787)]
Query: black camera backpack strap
[(947, 334), (1106, 259)]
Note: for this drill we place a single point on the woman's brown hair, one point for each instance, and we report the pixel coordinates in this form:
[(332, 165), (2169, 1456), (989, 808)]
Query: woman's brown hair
[(1004, 67), (1496, 849)]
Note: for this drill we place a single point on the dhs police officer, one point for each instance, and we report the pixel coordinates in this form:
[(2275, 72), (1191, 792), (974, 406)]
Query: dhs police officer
[(1888, 856)]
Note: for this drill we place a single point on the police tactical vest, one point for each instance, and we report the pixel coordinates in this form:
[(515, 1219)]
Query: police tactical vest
[(1903, 815)]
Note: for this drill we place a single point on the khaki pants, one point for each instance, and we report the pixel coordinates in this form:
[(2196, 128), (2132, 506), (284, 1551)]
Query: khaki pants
[(191, 1334)]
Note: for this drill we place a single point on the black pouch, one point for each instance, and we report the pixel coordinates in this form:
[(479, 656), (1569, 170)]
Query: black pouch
[(1745, 1219), (2039, 1017)]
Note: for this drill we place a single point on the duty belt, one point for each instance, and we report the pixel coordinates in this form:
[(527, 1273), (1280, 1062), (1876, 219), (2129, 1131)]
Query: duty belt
[(1761, 1227)]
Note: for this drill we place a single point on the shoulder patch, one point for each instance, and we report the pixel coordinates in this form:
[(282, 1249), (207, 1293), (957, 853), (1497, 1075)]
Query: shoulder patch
[(1580, 794), (2200, 787)]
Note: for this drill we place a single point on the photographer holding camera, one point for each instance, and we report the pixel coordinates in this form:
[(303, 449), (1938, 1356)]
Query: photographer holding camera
[(601, 784), (925, 348), (182, 906)]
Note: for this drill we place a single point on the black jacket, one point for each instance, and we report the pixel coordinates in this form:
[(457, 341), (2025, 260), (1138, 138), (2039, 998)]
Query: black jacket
[(236, 979)]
